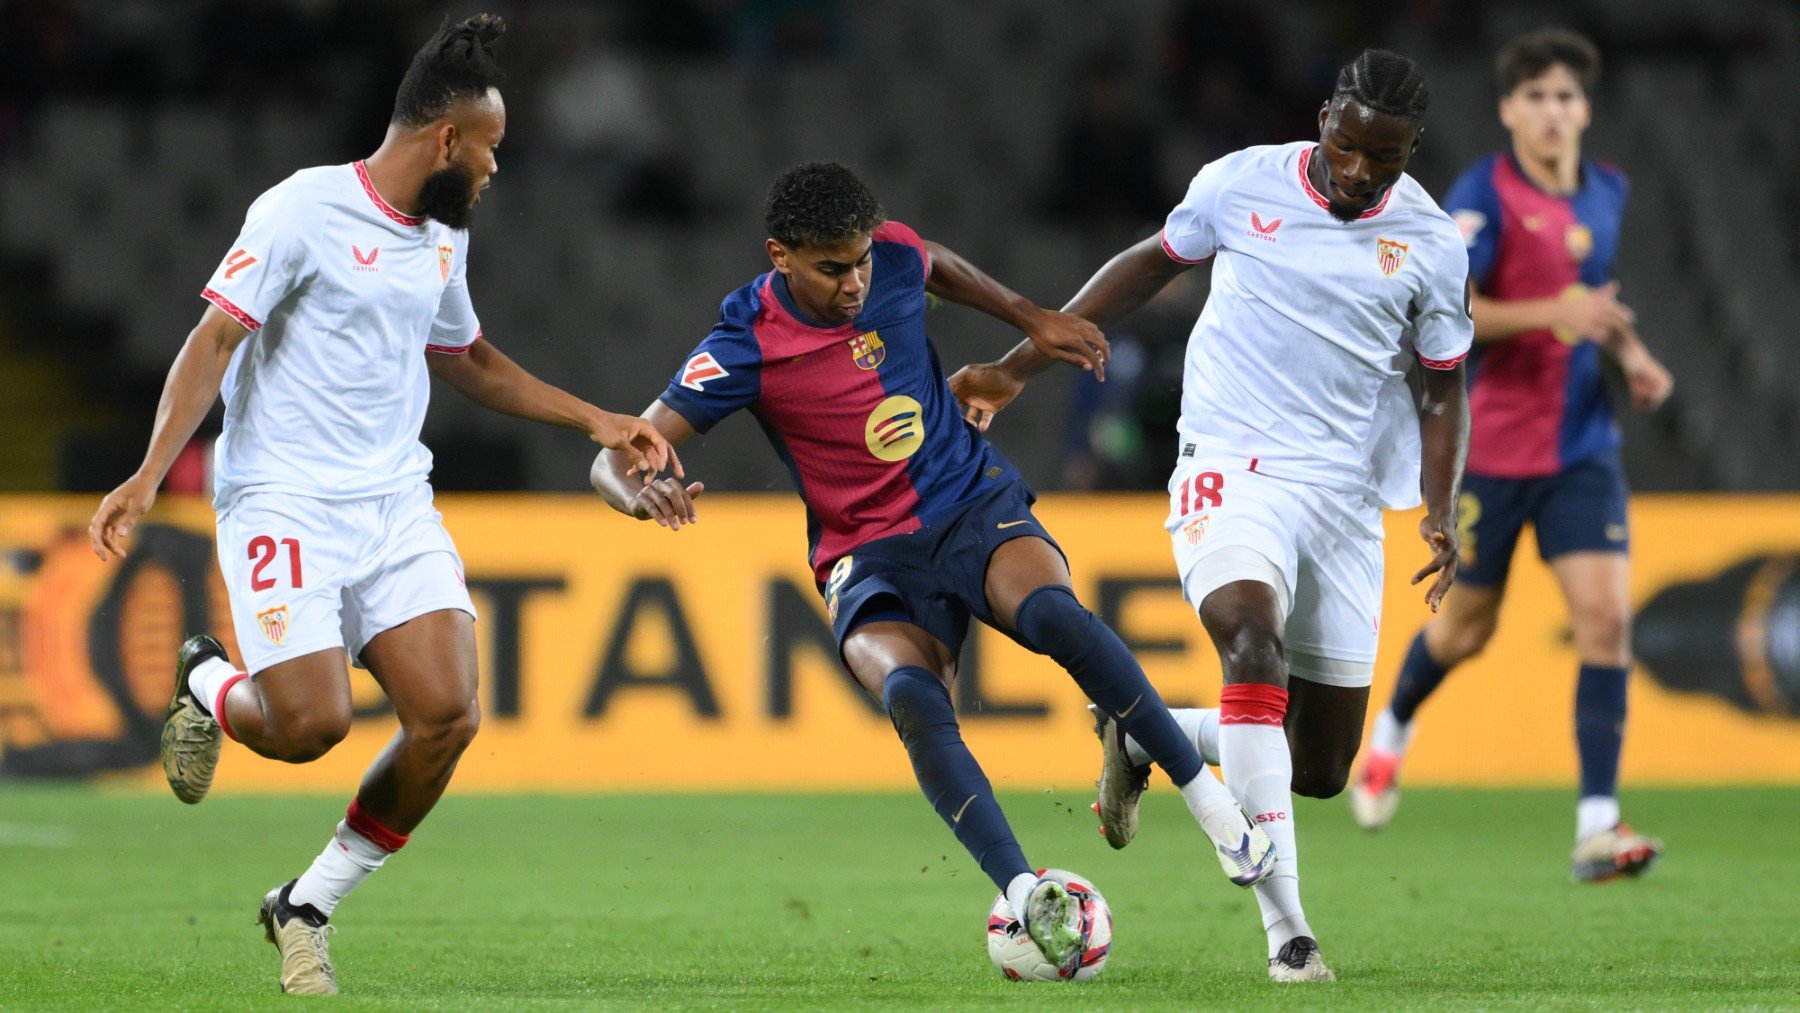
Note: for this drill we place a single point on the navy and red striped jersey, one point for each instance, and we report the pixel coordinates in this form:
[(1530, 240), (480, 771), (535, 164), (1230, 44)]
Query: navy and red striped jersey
[(1537, 400), (859, 412)]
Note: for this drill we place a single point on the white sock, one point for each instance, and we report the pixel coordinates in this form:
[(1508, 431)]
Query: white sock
[(1201, 726), (1258, 769), (1595, 814), (207, 679), (1389, 735), (339, 869), (1206, 793), (1018, 893)]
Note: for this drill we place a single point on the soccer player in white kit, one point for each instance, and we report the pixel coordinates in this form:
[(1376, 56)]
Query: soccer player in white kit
[(1334, 272), (346, 287)]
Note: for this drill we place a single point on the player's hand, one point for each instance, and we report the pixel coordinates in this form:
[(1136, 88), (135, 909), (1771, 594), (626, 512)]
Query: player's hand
[(1071, 339), (643, 446), (667, 502), (118, 514), (1597, 314), (1440, 534), (982, 390), (1650, 384)]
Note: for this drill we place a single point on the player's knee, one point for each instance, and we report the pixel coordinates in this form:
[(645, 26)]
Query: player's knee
[(1464, 640), (1603, 636), (1053, 623), (1317, 782), (450, 728), (916, 702), (1249, 648), (303, 738), (1322, 773)]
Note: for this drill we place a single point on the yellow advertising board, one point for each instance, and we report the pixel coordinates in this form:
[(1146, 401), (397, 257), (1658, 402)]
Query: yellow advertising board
[(622, 656)]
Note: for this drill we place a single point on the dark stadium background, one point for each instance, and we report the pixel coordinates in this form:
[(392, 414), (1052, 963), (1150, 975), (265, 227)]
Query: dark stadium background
[(1036, 137)]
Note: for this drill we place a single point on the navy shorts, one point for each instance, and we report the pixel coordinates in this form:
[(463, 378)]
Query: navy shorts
[(1579, 509), (936, 577)]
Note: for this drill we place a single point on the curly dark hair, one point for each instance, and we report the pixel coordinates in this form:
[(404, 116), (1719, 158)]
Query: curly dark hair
[(820, 204), (1528, 56), (1385, 82), (457, 63)]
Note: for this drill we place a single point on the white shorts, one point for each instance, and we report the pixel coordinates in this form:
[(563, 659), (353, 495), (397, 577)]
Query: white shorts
[(1320, 549), (307, 575)]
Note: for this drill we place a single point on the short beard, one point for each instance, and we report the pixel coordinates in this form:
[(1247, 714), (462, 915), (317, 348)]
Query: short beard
[(1345, 215), (448, 196)]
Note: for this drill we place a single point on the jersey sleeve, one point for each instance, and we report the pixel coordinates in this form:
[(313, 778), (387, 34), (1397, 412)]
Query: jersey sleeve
[(720, 377), (1475, 206), (270, 259), (894, 232), (1189, 235), (1444, 326), (455, 328)]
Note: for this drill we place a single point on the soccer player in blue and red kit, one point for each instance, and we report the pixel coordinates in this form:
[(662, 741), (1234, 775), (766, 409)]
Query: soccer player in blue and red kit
[(916, 523), (1542, 226)]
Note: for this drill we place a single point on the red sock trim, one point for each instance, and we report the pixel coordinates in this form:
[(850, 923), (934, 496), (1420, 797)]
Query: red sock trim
[(1252, 703), (219, 705), (358, 819)]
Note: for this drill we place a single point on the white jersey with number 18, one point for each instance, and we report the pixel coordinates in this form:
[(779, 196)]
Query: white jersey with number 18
[(344, 296), (1298, 361)]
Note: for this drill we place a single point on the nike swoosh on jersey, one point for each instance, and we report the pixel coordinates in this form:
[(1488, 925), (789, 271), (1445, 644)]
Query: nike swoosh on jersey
[(1003, 525), (1122, 715)]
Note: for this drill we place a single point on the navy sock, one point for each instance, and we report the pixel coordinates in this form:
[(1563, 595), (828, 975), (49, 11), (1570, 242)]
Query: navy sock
[(1051, 622), (1600, 727), (919, 705), (1419, 675)]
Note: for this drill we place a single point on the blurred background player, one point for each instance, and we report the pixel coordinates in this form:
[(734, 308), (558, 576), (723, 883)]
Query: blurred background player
[(346, 286), (1333, 269), (1542, 227), (916, 523)]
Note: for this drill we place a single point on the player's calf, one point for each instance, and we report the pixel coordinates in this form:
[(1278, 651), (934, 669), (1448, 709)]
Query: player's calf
[(923, 716), (1052, 622)]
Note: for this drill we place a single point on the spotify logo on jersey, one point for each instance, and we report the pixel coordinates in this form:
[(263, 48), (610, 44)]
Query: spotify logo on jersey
[(895, 429)]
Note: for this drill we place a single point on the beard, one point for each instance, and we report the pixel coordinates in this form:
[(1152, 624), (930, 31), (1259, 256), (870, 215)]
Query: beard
[(448, 196)]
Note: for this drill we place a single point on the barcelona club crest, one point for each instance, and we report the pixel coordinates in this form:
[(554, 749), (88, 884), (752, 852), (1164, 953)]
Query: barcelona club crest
[(1580, 241), (867, 350), (274, 623), (1390, 255), (444, 254)]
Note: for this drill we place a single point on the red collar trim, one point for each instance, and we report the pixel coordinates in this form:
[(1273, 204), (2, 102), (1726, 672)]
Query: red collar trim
[(362, 176), (1319, 199)]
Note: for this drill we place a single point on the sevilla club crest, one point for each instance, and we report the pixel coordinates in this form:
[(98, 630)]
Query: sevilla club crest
[(445, 252), (1390, 255), (867, 350), (274, 623)]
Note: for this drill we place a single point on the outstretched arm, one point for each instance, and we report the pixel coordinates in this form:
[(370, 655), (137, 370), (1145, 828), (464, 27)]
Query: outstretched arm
[(485, 375), (1127, 282), (666, 501), (1444, 432), (187, 396), (1049, 333)]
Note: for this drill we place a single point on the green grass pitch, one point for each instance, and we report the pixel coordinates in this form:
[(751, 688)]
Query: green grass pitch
[(825, 901)]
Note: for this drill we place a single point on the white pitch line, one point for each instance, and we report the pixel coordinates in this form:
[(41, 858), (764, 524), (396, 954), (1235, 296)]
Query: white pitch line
[(26, 835)]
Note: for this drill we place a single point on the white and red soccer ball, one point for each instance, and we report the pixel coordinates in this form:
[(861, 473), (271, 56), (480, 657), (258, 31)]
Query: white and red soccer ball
[(1017, 957)]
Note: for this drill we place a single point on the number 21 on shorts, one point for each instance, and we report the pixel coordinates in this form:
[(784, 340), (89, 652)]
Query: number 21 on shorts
[(263, 551), (1201, 492)]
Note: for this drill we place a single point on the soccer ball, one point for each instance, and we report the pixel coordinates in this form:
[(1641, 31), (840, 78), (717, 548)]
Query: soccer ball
[(1017, 957)]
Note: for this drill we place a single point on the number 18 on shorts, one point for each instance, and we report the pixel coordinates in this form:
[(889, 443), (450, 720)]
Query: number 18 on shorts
[(1319, 548)]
